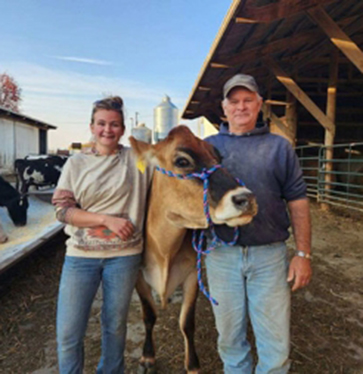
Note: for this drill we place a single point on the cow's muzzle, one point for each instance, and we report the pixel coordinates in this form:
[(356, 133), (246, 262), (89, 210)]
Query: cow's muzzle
[(237, 207)]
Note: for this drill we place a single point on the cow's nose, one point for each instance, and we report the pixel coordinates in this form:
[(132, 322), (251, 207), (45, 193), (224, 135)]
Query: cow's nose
[(240, 201)]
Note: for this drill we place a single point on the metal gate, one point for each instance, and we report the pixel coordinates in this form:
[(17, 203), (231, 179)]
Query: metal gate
[(342, 183)]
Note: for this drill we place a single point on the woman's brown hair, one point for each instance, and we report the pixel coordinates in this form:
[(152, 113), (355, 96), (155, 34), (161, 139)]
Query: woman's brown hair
[(109, 103)]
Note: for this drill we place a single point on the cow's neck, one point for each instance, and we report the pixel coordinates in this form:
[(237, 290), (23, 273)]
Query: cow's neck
[(163, 242), (164, 238)]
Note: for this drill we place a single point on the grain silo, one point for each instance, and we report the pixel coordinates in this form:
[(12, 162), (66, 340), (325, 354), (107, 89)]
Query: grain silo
[(165, 117), (141, 132)]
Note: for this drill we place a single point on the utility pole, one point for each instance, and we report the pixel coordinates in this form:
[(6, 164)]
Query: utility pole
[(136, 119)]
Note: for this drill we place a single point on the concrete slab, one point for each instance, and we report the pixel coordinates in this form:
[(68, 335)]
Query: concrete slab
[(41, 226)]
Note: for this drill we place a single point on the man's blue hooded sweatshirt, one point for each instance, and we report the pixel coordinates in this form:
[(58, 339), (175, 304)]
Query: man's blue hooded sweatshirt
[(269, 167)]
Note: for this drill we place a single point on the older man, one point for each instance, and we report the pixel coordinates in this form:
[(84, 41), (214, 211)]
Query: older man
[(250, 279)]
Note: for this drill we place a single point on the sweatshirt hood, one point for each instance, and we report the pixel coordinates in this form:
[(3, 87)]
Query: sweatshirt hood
[(261, 128)]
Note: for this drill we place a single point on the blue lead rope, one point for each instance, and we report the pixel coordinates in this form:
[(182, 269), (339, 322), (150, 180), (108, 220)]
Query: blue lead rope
[(198, 240)]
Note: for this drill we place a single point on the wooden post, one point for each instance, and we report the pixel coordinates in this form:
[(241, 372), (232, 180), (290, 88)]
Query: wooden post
[(267, 107), (330, 113), (291, 116)]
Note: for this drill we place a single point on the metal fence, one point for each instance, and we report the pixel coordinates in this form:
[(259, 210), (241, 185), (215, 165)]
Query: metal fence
[(337, 181)]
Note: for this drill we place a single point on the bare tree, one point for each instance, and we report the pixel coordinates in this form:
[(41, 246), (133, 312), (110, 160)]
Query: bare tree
[(10, 93)]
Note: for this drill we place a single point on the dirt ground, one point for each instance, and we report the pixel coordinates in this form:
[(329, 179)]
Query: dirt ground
[(327, 316)]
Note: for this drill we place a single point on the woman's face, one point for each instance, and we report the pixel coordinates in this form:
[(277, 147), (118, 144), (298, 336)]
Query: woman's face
[(107, 129)]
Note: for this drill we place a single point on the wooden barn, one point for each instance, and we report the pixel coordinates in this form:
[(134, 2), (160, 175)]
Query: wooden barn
[(21, 135), (306, 56)]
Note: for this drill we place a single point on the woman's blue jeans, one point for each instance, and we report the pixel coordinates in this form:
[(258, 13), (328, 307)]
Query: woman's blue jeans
[(250, 282), (80, 280)]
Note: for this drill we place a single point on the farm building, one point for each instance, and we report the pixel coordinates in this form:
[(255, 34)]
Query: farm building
[(21, 135), (306, 57)]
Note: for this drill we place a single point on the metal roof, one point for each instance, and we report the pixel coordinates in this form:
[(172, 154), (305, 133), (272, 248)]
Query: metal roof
[(26, 119), (257, 34)]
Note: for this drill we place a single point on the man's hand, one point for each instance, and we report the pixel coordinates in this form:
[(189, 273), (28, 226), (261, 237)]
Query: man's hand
[(120, 226), (300, 272)]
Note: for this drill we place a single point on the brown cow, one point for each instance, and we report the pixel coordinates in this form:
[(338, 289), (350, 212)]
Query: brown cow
[(174, 206)]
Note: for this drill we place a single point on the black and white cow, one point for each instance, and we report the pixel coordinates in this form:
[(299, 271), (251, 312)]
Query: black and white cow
[(38, 171), (15, 203)]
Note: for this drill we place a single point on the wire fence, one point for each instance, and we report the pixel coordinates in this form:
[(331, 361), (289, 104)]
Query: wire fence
[(334, 174)]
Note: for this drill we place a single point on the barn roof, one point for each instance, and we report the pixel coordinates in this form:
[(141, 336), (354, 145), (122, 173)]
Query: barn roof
[(275, 40), (6, 113)]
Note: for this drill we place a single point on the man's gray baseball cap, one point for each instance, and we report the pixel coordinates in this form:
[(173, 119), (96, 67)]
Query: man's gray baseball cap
[(240, 80)]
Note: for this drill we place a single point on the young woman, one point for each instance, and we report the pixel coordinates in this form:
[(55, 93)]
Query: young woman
[(101, 196)]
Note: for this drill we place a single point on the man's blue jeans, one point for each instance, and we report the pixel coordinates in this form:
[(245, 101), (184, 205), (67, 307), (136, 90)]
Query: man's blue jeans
[(250, 282), (80, 280)]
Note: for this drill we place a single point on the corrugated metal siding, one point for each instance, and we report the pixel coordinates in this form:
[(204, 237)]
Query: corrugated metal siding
[(27, 140), (7, 152), (16, 141)]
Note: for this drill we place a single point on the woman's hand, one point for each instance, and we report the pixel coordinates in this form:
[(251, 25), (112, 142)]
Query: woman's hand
[(120, 226)]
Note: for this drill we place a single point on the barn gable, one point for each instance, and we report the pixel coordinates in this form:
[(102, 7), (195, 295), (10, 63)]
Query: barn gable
[(20, 135)]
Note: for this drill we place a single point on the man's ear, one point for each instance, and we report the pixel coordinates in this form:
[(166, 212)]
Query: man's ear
[(223, 104), (261, 103)]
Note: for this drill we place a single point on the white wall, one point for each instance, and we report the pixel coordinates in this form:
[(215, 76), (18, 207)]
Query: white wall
[(208, 128), (7, 152), (27, 140), (16, 141)]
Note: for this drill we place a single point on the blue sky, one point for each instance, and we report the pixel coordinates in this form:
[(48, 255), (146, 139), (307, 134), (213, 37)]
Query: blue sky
[(67, 54)]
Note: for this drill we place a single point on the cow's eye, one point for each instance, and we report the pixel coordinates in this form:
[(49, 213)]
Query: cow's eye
[(182, 162)]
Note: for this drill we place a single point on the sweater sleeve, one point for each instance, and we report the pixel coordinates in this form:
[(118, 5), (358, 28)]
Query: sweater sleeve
[(293, 185), (63, 198)]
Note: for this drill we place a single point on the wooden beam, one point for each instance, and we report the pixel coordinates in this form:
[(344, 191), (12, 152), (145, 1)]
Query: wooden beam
[(300, 95), (337, 36), (342, 124), (268, 114), (276, 102), (299, 39), (319, 94), (326, 60), (326, 80), (321, 48), (278, 10), (219, 66), (272, 47), (245, 20), (202, 88)]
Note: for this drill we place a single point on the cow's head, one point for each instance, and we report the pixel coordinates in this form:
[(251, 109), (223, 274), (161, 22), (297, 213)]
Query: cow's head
[(17, 209), (182, 200)]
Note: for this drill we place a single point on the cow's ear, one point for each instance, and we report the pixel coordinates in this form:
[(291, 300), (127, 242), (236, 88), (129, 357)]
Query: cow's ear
[(144, 151)]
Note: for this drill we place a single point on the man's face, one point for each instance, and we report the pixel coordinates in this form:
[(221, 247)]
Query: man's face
[(241, 108)]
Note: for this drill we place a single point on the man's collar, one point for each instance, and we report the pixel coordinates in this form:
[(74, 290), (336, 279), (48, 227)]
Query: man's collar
[(260, 128)]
